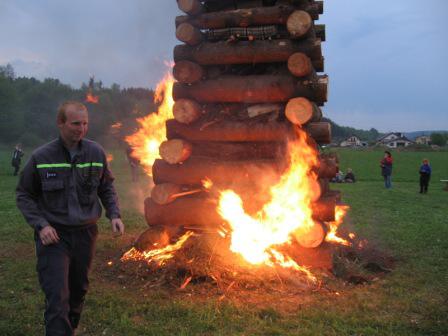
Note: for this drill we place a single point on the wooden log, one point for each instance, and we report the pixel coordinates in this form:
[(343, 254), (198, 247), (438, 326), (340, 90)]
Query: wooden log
[(189, 34), (235, 151), (315, 258), (310, 237), (247, 52), (165, 193), (320, 131), (320, 31), (175, 151), (328, 167), (300, 65), (253, 89), (154, 238), (190, 210), (299, 23), (324, 208), (195, 170), (229, 131), (188, 72), (186, 111), (192, 7), (301, 111)]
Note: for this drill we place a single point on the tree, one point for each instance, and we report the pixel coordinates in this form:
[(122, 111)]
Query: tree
[(439, 139), (7, 71)]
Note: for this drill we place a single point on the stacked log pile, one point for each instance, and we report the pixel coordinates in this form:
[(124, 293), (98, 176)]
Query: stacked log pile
[(248, 73)]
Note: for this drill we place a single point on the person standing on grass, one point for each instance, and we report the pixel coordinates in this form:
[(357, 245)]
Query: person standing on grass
[(58, 194), (17, 158), (425, 176), (386, 169)]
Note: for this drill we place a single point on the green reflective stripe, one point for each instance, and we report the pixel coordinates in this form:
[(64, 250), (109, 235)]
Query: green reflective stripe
[(54, 165), (85, 165)]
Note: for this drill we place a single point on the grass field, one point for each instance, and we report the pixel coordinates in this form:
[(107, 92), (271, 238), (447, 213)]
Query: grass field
[(411, 300)]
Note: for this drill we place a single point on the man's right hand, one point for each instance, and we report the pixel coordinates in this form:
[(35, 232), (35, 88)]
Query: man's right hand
[(48, 235)]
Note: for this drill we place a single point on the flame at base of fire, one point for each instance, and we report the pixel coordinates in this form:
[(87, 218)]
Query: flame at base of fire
[(160, 256)]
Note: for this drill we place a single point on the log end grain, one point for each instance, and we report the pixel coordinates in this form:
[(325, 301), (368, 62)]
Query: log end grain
[(189, 34), (175, 151), (300, 65), (186, 111), (299, 23)]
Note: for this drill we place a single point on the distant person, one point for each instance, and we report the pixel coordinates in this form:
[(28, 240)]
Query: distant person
[(386, 169), (425, 176), (59, 195), (349, 177), (17, 158), (339, 177), (133, 163)]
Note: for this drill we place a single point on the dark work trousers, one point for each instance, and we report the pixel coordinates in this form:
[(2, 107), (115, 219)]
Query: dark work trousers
[(16, 168), (63, 276), (424, 181)]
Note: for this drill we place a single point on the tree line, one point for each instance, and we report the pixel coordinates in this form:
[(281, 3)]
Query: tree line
[(28, 107)]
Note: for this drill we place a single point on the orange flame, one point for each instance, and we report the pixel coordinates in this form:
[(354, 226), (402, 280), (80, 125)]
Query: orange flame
[(207, 183), (152, 132), (90, 98), (341, 211), (109, 157), (289, 210), (160, 256)]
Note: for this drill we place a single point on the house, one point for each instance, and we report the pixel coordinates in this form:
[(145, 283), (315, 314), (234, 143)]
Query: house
[(394, 140), (352, 141), (423, 140)]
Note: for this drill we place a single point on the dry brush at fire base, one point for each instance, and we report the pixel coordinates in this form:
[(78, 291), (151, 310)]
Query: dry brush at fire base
[(240, 187)]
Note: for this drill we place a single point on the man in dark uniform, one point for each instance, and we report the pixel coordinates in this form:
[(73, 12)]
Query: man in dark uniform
[(58, 193)]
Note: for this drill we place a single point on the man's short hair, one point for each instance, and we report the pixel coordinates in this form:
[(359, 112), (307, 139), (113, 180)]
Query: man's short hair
[(62, 110)]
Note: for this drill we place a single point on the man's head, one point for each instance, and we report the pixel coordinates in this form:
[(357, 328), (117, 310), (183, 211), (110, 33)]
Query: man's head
[(72, 120), (387, 154)]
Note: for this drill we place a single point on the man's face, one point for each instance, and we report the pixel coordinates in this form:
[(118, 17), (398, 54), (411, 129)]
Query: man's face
[(75, 126)]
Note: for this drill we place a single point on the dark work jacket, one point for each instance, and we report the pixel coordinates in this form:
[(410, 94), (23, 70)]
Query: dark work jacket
[(386, 167), (53, 189)]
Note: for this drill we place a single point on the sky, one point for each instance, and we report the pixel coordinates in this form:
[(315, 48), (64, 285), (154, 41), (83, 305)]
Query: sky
[(387, 60)]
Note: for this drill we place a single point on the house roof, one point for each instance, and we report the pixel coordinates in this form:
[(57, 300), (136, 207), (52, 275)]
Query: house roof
[(398, 134)]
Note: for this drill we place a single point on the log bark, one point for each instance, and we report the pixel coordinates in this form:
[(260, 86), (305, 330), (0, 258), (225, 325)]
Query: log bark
[(192, 7), (324, 208), (310, 237), (189, 34), (253, 89), (255, 16), (175, 151), (299, 23), (247, 52), (230, 131), (320, 31), (195, 170), (166, 193), (301, 111), (328, 167), (300, 65), (320, 131), (186, 111), (235, 151), (188, 72)]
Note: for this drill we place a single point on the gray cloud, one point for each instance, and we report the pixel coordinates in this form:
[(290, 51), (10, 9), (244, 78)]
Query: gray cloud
[(386, 59)]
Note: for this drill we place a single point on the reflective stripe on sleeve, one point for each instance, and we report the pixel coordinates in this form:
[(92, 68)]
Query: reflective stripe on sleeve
[(68, 165)]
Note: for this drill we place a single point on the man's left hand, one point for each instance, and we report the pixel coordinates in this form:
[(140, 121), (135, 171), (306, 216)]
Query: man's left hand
[(117, 226)]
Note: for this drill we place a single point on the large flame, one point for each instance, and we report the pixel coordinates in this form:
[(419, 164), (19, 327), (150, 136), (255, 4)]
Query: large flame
[(152, 132), (289, 210)]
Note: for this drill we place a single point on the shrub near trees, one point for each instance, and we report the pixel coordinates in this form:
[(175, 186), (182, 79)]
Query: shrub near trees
[(28, 107)]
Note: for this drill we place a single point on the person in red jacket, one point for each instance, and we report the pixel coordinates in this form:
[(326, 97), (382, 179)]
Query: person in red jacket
[(386, 169)]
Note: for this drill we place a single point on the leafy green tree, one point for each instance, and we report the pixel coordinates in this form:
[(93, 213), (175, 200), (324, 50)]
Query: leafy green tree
[(439, 139)]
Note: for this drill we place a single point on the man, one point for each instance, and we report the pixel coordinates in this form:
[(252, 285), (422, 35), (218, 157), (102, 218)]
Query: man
[(17, 158), (58, 195)]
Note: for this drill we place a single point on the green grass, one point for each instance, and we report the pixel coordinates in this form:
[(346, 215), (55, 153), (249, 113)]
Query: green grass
[(412, 300)]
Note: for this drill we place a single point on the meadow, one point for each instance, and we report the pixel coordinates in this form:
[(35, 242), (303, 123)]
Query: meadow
[(410, 300)]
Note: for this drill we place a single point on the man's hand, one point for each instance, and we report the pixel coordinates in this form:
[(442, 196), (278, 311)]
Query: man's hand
[(48, 235), (117, 225)]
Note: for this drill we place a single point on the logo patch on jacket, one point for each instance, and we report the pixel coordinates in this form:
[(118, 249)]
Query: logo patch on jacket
[(51, 175)]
